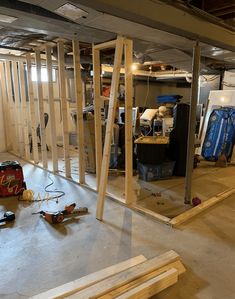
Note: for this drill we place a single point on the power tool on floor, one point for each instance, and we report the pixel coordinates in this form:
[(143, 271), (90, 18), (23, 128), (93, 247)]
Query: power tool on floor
[(11, 179), (8, 217), (59, 216)]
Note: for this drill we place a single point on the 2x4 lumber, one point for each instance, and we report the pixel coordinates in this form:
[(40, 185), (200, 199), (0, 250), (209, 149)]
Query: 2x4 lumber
[(97, 109), (86, 281), (135, 283), (152, 286), (6, 108), (41, 109), (51, 103), (17, 110), (150, 213), (106, 45), (11, 105), (24, 110), (128, 49), (79, 104), (32, 109), (192, 122), (101, 288), (201, 207), (62, 87), (109, 128)]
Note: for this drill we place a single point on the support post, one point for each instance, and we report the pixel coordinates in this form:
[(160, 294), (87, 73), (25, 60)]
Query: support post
[(6, 108), (11, 105), (97, 108), (41, 109), (32, 109), (79, 104), (109, 128), (24, 110), (63, 99), (51, 110), (128, 122), (18, 114), (192, 123)]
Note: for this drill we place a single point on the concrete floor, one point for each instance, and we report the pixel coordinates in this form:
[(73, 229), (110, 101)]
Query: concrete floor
[(36, 256)]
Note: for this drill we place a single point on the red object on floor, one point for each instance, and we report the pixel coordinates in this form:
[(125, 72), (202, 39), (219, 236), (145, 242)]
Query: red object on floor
[(11, 179)]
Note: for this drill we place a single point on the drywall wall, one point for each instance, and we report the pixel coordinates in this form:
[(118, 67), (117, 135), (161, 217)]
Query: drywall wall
[(146, 97)]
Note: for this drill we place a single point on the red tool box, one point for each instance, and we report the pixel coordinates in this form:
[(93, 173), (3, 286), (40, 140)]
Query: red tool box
[(11, 179)]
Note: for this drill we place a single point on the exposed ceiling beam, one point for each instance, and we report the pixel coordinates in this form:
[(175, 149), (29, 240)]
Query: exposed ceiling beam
[(165, 17)]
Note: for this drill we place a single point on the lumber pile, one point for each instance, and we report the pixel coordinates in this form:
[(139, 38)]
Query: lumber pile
[(133, 278)]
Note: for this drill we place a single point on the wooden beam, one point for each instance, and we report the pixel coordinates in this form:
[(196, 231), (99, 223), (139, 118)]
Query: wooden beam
[(6, 108), (62, 82), (79, 104), (128, 122), (32, 109), (152, 286), (11, 105), (192, 122), (41, 109), (97, 109), (106, 45), (150, 213), (24, 110), (86, 281), (135, 283), (51, 103), (201, 207), (17, 110), (105, 286), (151, 18), (109, 128)]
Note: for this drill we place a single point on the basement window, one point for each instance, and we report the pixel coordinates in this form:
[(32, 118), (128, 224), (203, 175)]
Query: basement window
[(44, 76)]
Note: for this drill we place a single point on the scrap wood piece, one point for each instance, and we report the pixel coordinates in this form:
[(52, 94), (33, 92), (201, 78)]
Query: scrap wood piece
[(178, 266), (118, 280), (86, 281), (201, 207), (153, 286)]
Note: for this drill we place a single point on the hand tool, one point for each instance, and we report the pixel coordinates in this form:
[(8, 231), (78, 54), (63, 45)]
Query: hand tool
[(8, 217), (58, 217)]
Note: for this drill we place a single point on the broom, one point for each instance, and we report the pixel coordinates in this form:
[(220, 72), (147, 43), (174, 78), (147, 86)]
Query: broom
[(222, 159)]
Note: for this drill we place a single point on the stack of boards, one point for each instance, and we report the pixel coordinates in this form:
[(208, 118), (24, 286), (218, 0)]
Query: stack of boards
[(133, 278)]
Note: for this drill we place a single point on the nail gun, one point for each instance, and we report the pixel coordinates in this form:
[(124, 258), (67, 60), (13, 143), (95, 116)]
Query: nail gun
[(59, 216)]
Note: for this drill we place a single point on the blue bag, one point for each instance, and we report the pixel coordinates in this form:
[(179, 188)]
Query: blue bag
[(220, 134)]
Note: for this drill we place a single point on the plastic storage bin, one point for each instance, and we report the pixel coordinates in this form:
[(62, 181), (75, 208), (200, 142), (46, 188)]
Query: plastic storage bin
[(152, 172)]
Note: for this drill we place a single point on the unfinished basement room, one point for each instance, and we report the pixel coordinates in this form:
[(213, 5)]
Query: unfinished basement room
[(117, 160)]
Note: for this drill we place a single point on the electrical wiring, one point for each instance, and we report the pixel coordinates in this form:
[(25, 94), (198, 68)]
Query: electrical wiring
[(38, 198)]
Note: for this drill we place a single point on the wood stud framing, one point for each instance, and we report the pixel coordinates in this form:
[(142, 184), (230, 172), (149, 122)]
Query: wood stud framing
[(32, 110), (79, 104), (24, 110), (63, 99), (97, 107), (102, 176), (51, 110), (41, 109), (6, 108), (128, 121), (109, 127), (18, 110)]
